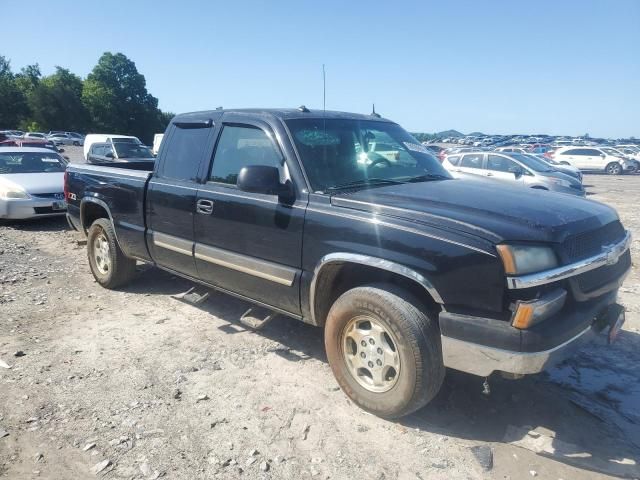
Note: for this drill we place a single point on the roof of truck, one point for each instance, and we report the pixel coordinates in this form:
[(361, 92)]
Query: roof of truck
[(281, 113)]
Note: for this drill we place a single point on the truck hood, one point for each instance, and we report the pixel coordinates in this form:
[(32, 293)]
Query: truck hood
[(487, 209)]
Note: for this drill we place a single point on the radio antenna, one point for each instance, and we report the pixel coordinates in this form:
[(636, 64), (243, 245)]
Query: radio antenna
[(324, 90)]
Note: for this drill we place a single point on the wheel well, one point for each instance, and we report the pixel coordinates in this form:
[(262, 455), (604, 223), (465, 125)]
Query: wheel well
[(91, 212), (336, 278)]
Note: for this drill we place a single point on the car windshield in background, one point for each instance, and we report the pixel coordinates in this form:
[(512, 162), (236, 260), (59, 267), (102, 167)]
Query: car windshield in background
[(126, 140), (132, 150), (532, 162), (15, 162), (350, 153)]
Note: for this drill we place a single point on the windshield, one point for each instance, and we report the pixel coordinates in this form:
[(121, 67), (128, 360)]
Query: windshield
[(611, 151), (16, 162), (532, 162), (131, 150), (350, 152)]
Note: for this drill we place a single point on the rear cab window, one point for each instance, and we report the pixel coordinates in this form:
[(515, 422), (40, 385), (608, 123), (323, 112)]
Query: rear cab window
[(183, 153)]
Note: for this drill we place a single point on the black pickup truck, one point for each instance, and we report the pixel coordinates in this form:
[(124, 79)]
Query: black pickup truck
[(407, 270)]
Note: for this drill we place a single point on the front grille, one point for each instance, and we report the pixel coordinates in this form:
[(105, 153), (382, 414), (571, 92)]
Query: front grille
[(54, 195), (598, 278), (47, 210), (587, 244)]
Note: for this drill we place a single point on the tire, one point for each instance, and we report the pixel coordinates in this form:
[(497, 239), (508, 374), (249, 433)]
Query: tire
[(613, 168), (110, 267), (76, 144), (565, 163), (410, 333)]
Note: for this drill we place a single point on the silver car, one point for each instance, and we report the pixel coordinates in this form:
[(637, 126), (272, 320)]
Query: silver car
[(66, 138), (514, 168), (31, 183)]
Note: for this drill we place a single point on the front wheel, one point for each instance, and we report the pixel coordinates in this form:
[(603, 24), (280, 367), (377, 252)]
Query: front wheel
[(384, 350), (110, 267), (614, 168)]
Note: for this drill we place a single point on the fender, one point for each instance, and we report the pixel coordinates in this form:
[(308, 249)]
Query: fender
[(97, 201), (379, 263)]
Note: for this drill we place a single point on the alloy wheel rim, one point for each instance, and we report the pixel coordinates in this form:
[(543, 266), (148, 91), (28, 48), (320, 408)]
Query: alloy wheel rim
[(371, 354), (101, 253)]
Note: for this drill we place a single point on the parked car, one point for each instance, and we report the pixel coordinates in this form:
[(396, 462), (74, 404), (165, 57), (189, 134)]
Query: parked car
[(65, 139), (30, 142), (632, 151), (104, 152), (31, 183), (515, 168), (594, 159), (511, 149), (99, 137), (31, 135), (12, 133), (407, 270), (566, 169)]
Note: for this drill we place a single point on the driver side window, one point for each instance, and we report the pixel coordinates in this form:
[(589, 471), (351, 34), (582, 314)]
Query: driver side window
[(241, 146), (499, 163)]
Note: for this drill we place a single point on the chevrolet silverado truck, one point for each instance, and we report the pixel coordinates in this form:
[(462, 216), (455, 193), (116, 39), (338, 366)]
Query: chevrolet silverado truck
[(406, 269)]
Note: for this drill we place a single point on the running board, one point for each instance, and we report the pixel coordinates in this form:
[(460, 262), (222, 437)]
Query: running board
[(257, 317), (192, 296)]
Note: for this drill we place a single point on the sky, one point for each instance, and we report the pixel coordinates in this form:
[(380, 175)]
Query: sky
[(565, 67)]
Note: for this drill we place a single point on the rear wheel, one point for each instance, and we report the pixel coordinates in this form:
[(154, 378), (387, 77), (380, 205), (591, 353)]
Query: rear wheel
[(614, 168), (384, 350), (110, 267), (76, 143)]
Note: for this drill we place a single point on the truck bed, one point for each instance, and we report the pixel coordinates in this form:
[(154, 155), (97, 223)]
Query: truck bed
[(120, 189)]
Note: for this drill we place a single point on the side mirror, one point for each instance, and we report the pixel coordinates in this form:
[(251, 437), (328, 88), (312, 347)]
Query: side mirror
[(602, 155), (263, 179), (517, 171)]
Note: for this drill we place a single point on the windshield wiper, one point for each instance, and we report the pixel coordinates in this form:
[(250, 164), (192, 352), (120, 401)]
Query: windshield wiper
[(368, 182), (427, 177)]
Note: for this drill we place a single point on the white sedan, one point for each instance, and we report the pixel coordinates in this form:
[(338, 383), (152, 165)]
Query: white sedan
[(31, 183)]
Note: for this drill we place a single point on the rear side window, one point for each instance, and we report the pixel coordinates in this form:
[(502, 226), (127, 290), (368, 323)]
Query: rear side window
[(454, 159), (241, 146), (592, 152), (183, 153), (473, 160)]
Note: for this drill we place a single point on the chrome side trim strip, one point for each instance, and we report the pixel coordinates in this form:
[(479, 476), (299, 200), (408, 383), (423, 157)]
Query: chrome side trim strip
[(482, 360), (609, 256), (175, 244), (250, 265), (344, 257)]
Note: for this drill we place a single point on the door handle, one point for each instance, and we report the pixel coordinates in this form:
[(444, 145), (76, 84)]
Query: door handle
[(205, 207)]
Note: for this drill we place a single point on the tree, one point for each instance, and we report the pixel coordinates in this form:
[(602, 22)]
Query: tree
[(56, 102), (116, 97), (13, 104)]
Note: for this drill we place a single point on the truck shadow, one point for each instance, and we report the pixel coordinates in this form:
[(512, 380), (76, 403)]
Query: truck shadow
[(46, 224), (584, 412)]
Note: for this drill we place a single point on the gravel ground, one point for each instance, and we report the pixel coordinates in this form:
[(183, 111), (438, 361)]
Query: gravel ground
[(135, 384)]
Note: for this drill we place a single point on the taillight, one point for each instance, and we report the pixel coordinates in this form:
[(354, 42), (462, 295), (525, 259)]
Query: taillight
[(66, 185)]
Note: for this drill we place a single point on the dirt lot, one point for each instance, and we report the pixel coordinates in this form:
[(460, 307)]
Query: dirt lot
[(149, 387)]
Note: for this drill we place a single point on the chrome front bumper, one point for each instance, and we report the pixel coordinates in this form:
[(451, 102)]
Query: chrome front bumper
[(609, 256), (483, 361), (19, 209)]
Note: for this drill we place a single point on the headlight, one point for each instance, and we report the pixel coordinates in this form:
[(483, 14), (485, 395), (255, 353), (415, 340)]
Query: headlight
[(521, 259), (12, 193)]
